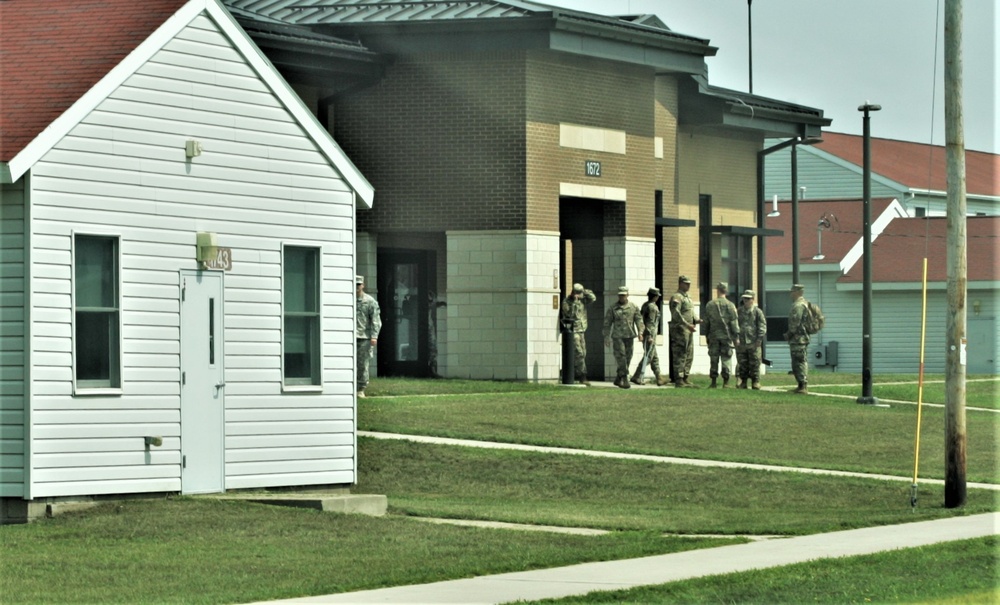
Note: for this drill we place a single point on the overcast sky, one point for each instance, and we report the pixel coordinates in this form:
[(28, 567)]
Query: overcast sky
[(837, 54)]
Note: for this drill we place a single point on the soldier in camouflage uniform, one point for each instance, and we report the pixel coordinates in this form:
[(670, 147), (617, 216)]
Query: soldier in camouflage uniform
[(622, 324), (650, 312), (367, 326), (798, 338), (753, 330), (721, 329), (682, 327), (574, 310)]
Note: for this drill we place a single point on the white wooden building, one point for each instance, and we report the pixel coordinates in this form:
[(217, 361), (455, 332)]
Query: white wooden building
[(832, 270), (133, 359)]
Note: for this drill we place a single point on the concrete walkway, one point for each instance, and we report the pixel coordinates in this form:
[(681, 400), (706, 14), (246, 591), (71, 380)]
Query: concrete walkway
[(619, 575)]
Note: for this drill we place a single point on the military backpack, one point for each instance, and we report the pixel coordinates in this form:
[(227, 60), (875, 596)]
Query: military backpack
[(813, 320)]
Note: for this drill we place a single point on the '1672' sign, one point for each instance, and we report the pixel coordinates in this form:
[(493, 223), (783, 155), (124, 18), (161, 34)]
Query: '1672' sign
[(592, 168)]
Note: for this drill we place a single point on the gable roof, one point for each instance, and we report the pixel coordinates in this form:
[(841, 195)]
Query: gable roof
[(898, 253), (59, 60), (841, 241), (916, 165), (53, 51)]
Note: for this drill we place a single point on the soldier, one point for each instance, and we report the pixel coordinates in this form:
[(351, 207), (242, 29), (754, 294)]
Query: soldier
[(753, 330), (798, 338), (574, 311), (650, 312), (682, 327), (368, 325), (622, 324), (721, 329)]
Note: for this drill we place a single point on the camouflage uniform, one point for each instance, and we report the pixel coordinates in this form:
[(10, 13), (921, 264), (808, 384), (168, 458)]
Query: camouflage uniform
[(753, 331), (798, 340), (721, 328), (368, 324), (650, 312), (681, 335), (622, 324), (575, 310)]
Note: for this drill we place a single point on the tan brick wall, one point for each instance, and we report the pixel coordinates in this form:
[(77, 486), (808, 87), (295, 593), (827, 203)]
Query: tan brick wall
[(588, 92), (724, 167)]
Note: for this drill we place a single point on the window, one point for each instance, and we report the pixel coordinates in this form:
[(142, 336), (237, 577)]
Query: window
[(300, 295), (778, 305), (737, 257), (97, 343)]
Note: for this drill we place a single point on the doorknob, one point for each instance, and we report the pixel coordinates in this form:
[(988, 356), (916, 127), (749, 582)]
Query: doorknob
[(219, 385)]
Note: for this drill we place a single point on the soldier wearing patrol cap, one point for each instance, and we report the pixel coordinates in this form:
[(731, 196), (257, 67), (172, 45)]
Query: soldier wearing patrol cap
[(753, 330), (650, 312), (682, 327), (622, 324), (573, 312), (797, 337), (368, 325), (721, 329)]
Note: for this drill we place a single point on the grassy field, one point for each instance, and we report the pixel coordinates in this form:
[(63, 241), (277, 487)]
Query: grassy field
[(718, 424), (203, 550)]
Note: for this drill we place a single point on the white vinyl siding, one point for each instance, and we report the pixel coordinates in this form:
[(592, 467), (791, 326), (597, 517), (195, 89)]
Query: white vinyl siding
[(12, 339), (260, 182), (896, 321)]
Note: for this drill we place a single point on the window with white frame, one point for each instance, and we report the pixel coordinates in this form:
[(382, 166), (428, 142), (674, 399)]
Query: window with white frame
[(96, 314), (301, 309)]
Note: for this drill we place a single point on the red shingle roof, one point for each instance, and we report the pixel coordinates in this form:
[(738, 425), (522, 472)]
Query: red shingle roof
[(54, 51), (916, 165), (846, 227), (898, 253)]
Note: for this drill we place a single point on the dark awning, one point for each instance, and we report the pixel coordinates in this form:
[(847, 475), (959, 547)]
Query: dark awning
[(674, 222), (752, 231)]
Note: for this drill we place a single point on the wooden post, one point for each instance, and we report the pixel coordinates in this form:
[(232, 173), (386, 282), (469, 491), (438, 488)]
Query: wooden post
[(955, 361)]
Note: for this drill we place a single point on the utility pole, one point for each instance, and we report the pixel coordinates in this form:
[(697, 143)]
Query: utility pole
[(954, 377), (867, 397), (750, 40)]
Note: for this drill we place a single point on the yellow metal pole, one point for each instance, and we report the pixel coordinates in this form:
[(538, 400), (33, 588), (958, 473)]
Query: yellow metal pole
[(920, 387)]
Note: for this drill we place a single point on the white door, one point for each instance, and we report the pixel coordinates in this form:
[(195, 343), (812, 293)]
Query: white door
[(982, 346), (202, 385)]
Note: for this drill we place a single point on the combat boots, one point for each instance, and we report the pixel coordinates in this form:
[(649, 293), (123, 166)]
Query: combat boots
[(742, 384), (802, 389), (689, 384), (660, 380), (725, 382), (713, 385), (756, 385)]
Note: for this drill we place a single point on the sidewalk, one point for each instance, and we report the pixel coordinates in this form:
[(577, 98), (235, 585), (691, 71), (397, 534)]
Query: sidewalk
[(619, 575)]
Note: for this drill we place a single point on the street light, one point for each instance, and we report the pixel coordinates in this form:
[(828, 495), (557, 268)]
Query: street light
[(867, 397)]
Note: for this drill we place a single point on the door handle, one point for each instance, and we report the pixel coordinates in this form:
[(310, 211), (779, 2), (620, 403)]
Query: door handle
[(219, 386)]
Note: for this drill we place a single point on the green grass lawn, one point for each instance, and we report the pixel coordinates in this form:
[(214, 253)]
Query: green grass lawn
[(203, 550), (582, 491), (735, 425)]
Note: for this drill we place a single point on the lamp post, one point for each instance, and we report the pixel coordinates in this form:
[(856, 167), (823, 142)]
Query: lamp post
[(866, 304), (750, 41)]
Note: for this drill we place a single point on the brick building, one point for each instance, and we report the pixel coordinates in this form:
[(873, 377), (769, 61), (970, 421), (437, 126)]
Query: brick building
[(516, 148)]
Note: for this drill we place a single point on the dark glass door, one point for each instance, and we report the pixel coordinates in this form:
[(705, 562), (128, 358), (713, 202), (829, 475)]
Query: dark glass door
[(404, 288)]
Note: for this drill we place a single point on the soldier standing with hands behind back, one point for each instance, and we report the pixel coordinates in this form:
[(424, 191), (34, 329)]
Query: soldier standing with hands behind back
[(368, 325), (798, 337), (622, 324), (682, 327), (753, 330), (721, 328)]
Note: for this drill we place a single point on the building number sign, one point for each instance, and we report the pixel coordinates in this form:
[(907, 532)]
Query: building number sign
[(223, 260), (592, 168)]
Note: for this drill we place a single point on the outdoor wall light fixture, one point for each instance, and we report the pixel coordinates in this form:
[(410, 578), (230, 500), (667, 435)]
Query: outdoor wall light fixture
[(153, 441), (192, 148), (774, 207), (977, 306)]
